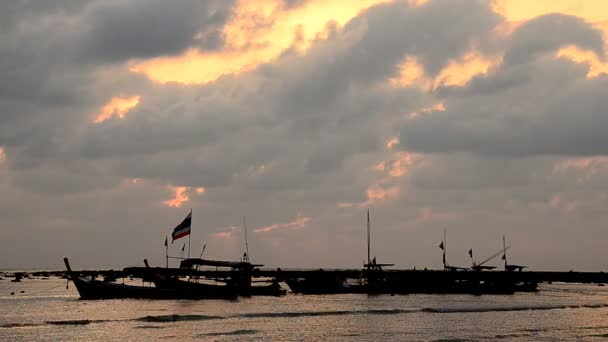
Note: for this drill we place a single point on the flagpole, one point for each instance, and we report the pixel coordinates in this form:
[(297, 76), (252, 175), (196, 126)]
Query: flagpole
[(166, 253)]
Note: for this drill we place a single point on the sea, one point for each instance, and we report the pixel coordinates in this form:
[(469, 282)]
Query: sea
[(45, 310)]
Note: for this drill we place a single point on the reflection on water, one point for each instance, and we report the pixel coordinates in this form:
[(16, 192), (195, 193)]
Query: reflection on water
[(47, 311)]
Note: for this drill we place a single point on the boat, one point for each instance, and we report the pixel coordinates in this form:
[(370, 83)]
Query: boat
[(91, 288), (372, 279), (238, 277), (97, 289)]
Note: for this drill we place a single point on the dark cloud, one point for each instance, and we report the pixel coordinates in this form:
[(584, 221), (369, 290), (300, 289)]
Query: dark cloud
[(118, 31), (550, 32), (543, 106)]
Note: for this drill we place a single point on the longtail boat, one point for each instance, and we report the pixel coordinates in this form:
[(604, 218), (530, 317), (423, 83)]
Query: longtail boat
[(98, 289)]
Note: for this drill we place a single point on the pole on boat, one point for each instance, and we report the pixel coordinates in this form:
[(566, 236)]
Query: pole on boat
[(445, 247), (190, 235), (368, 238), (67, 266), (246, 242), (504, 248), (166, 253)]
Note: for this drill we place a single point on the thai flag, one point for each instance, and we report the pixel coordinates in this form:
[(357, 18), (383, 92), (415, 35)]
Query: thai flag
[(182, 229)]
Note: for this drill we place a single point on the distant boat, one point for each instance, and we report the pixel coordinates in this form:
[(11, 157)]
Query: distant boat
[(372, 279)]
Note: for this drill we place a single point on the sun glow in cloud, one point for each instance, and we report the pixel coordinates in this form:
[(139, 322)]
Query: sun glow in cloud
[(401, 164), (299, 222), (392, 142), (181, 195), (257, 33), (377, 193), (595, 12), (573, 53), (228, 233), (520, 10), (2, 155), (117, 107), (437, 107), (584, 168), (458, 72)]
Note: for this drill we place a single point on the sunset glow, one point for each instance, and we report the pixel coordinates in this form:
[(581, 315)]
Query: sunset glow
[(117, 107), (181, 195), (257, 33), (299, 222)]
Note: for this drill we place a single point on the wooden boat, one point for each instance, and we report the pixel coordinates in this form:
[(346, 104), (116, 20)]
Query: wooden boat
[(239, 277), (97, 289)]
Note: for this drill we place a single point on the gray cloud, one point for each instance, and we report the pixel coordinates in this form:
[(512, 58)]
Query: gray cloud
[(532, 104), (295, 136), (119, 31)]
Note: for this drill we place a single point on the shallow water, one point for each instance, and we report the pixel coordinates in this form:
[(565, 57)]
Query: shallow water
[(47, 311)]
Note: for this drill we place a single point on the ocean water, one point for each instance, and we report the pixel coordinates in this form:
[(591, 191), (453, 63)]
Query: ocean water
[(47, 311)]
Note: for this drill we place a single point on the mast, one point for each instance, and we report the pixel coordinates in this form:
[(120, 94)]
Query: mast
[(246, 242), (445, 246), (504, 248), (190, 235), (368, 239)]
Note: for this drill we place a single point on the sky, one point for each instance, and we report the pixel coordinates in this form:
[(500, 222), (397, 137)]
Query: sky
[(480, 118)]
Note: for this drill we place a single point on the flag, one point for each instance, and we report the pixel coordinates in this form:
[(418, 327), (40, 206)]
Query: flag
[(166, 244), (441, 245), (182, 229), (471, 252), (504, 257)]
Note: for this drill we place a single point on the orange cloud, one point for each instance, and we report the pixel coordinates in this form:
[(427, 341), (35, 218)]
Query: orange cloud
[(117, 107), (438, 107), (2, 155), (227, 234), (458, 72), (401, 164), (181, 196), (521, 10), (417, 3), (392, 142), (573, 53), (411, 73), (258, 32), (200, 190), (299, 222), (585, 168), (377, 193)]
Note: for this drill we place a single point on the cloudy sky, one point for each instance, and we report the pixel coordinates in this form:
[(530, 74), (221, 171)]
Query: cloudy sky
[(483, 118)]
